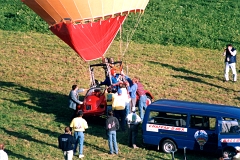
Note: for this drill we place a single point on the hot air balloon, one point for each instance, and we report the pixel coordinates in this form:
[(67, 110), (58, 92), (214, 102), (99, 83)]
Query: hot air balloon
[(201, 137), (87, 26)]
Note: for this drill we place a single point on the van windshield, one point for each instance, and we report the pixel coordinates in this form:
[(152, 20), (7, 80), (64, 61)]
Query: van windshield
[(230, 127)]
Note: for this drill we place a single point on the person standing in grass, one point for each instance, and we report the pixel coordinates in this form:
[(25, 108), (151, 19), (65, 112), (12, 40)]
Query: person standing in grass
[(74, 99), (230, 62), (109, 99), (3, 154), (112, 125), (79, 125), (133, 122), (133, 93), (127, 98), (66, 142), (118, 106), (142, 104)]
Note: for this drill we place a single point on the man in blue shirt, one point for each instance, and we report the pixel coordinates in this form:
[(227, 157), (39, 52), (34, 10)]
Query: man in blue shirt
[(133, 93), (66, 142)]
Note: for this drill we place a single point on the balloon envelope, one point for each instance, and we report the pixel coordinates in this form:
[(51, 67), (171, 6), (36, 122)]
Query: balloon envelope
[(87, 26)]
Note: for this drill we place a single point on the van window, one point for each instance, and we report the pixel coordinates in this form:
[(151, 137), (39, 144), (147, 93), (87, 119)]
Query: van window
[(230, 127), (202, 122), (168, 119), (229, 119)]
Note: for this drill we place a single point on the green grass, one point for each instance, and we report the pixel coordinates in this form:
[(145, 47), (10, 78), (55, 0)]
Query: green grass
[(176, 51), (192, 23), (37, 72)]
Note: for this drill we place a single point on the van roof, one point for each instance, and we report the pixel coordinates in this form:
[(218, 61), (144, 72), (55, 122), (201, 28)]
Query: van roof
[(197, 107)]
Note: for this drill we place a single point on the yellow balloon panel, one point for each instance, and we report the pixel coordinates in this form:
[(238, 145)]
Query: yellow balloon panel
[(54, 11)]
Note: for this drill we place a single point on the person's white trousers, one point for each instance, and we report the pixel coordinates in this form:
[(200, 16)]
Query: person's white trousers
[(68, 155), (233, 68)]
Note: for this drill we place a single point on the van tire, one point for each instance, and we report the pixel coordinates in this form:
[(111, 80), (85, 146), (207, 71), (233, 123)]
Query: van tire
[(230, 152), (168, 146)]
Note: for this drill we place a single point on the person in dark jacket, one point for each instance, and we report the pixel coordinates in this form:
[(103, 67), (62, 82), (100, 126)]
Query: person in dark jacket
[(112, 125), (66, 142), (230, 62)]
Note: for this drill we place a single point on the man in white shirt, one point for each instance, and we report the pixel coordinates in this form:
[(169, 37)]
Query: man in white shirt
[(133, 122), (118, 107), (3, 154), (127, 98)]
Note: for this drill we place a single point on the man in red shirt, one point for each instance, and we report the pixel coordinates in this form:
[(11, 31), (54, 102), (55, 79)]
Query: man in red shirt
[(142, 105)]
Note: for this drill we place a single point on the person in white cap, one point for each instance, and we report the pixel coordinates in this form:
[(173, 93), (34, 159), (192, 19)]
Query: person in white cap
[(133, 122)]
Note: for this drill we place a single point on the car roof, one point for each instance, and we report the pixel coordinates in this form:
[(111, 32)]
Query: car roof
[(195, 107)]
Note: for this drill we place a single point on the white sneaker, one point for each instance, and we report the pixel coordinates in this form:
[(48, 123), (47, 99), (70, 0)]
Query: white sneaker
[(81, 156), (134, 146)]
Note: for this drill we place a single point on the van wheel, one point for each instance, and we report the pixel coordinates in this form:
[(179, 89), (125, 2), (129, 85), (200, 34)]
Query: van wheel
[(168, 146), (229, 153)]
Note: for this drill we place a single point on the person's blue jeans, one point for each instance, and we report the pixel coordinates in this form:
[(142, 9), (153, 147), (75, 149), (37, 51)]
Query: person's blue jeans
[(127, 108), (109, 107), (79, 137), (142, 105), (112, 142)]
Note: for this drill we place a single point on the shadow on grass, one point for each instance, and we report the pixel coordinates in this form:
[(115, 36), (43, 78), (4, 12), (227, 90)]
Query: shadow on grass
[(41, 101), (238, 98), (51, 103), (44, 131), (26, 137), (193, 73), (16, 155), (93, 146), (56, 104), (182, 70), (201, 81)]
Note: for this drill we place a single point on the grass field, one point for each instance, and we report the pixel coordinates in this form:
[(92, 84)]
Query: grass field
[(177, 56), (36, 76)]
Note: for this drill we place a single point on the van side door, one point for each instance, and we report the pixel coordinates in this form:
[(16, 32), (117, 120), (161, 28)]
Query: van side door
[(159, 125), (202, 133), (229, 134)]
